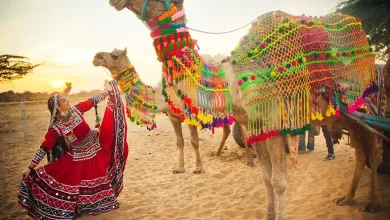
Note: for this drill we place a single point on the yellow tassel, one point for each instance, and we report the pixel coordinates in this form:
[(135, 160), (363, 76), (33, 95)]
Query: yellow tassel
[(330, 111), (319, 116), (313, 117)]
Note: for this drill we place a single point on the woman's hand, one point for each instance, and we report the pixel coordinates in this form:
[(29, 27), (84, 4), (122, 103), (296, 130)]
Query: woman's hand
[(107, 86), (26, 173)]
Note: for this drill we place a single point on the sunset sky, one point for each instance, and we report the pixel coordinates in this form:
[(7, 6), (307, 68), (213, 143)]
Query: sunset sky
[(66, 34)]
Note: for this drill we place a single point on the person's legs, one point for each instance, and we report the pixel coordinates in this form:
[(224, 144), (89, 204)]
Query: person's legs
[(310, 140), (302, 145), (329, 143)]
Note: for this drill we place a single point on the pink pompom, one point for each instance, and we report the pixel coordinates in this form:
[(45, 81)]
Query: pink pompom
[(337, 113), (231, 120)]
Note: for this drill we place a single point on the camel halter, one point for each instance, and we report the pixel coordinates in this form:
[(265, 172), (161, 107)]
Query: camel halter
[(145, 6)]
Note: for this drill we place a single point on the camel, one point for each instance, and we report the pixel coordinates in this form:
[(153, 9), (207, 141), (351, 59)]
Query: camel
[(116, 62), (270, 152)]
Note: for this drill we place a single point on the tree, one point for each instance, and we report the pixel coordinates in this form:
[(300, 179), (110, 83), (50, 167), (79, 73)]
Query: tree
[(14, 67), (375, 17)]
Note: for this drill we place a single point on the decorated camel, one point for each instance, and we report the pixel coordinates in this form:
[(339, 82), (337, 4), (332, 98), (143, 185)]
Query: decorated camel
[(368, 146), (143, 102), (271, 84)]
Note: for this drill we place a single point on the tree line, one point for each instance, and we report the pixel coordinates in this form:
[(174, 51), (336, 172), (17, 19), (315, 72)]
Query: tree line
[(11, 96)]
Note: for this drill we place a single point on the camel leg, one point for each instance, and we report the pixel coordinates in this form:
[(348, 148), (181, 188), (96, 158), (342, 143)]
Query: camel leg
[(276, 149), (360, 162), (266, 170), (225, 135), (372, 204), (176, 123), (195, 145), (244, 138)]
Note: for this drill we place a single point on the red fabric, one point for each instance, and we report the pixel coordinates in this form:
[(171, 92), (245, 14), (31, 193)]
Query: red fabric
[(50, 139), (85, 105), (88, 178)]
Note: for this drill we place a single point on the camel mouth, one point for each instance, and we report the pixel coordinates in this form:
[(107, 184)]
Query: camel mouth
[(98, 60), (118, 4)]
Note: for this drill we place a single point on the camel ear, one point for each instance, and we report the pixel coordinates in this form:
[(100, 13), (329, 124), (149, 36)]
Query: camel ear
[(125, 51)]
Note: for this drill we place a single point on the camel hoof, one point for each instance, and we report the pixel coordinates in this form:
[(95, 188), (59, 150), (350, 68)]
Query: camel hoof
[(198, 171), (178, 170), (218, 153), (371, 207), (270, 216), (344, 201)]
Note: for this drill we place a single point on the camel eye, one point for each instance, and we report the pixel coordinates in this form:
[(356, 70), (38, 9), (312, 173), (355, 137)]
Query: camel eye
[(114, 56)]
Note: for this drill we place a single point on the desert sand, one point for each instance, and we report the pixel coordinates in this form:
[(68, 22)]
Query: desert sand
[(227, 190)]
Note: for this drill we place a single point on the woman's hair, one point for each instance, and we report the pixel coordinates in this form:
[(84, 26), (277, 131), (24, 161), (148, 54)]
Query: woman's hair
[(50, 104), (60, 147)]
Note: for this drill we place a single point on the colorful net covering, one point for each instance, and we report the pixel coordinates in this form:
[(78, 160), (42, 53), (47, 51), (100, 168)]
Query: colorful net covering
[(193, 87), (284, 60), (141, 105)]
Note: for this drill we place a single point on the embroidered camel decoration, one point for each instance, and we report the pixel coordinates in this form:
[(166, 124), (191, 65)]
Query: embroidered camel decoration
[(258, 101), (116, 62)]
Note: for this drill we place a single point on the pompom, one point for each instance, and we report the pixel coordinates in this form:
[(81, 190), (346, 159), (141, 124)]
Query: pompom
[(262, 45), (294, 63)]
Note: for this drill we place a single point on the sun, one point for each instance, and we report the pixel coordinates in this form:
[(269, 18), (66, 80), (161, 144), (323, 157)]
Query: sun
[(58, 84)]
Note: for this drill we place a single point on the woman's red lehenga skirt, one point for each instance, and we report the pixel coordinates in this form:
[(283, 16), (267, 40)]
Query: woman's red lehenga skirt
[(69, 188)]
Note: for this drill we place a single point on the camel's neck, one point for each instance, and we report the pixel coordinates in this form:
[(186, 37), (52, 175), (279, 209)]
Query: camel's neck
[(129, 79), (170, 34)]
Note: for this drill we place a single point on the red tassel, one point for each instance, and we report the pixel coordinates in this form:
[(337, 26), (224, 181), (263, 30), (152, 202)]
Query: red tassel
[(194, 110)]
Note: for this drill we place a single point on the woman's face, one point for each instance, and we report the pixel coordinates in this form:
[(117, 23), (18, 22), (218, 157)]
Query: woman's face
[(63, 103)]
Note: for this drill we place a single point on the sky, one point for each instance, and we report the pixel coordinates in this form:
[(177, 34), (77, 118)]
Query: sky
[(66, 35)]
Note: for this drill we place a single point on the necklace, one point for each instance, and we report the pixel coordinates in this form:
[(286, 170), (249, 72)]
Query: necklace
[(64, 119)]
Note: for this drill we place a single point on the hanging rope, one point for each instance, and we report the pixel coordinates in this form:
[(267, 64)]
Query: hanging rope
[(227, 32), (224, 32)]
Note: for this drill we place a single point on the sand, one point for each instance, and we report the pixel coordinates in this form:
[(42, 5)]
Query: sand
[(227, 190)]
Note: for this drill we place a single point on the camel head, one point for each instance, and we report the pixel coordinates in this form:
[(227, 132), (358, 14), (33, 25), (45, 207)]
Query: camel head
[(334, 124), (147, 10), (115, 61)]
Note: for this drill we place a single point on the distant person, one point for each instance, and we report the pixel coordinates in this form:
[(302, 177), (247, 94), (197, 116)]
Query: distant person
[(329, 143), (310, 142)]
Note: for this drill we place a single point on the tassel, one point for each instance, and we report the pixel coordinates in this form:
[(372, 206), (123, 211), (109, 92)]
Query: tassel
[(313, 116), (97, 120), (330, 111)]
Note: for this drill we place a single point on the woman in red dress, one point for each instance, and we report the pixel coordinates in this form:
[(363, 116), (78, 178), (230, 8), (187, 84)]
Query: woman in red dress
[(89, 177)]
